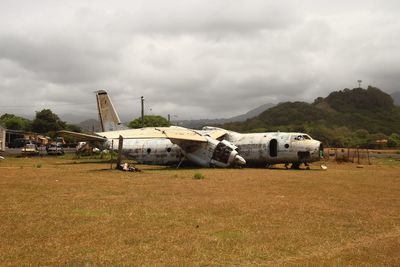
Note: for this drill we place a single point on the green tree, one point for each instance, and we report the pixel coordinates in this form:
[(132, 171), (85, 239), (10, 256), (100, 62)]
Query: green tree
[(12, 122), (73, 128), (393, 140), (372, 141), (47, 122), (361, 133), (149, 121)]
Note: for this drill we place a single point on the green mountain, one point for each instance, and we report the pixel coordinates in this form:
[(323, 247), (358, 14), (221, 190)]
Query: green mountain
[(90, 125), (339, 116)]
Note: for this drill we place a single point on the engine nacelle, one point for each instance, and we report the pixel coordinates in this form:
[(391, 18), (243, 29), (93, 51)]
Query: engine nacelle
[(215, 153)]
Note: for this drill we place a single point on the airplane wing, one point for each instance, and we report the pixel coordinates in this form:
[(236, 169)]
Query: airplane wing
[(82, 136), (215, 134), (182, 134), (172, 133)]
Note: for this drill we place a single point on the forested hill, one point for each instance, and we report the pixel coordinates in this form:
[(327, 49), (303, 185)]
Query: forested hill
[(332, 119)]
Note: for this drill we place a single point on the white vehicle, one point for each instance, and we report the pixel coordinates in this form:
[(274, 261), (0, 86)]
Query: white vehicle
[(55, 149), (30, 149)]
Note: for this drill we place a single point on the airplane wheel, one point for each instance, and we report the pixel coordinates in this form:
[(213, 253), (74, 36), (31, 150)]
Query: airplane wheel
[(287, 165), (307, 166), (295, 166)]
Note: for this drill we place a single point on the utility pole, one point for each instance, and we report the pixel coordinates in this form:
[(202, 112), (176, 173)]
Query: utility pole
[(359, 83), (142, 101), (120, 146), (169, 118)]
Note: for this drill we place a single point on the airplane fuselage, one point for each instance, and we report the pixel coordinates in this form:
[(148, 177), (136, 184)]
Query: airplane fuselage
[(153, 151), (258, 149), (261, 149), (161, 151)]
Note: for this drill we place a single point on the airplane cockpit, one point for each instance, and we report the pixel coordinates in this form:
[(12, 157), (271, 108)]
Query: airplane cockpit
[(301, 137)]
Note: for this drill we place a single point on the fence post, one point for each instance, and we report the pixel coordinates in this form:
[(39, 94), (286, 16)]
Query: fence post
[(348, 154), (336, 154), (112, 152), (120, 145)]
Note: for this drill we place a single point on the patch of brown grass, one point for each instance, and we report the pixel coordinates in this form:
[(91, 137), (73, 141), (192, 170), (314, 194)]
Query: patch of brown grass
[(72, 213)]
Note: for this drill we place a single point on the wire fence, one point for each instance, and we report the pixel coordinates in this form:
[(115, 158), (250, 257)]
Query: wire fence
[(353, 155)]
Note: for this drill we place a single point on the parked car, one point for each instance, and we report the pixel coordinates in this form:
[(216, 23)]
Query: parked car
[(20, 142), (30, 149), (55, 149)]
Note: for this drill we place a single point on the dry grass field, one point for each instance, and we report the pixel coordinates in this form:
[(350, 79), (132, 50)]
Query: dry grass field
[(56, 211)]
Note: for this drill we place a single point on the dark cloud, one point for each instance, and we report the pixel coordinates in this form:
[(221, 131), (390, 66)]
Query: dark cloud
[(192, 59)]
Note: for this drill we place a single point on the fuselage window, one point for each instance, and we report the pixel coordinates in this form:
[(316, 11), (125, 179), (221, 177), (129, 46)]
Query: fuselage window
[(286, 145), (148, 150), (168, 149), (302, 137)]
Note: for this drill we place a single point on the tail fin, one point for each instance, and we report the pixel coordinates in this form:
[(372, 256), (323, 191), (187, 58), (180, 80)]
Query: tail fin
[(108, 116)]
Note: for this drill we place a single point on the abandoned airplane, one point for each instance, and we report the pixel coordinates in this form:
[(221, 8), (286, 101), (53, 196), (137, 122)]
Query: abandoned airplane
[(160, 145), (210, 146)]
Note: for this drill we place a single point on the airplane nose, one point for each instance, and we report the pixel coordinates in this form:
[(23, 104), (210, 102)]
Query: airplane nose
[(239, 160)]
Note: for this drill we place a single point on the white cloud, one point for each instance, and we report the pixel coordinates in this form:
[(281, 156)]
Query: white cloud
[(192, 59)]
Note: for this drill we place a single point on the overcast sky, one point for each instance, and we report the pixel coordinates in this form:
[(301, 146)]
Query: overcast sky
[(191, 59)]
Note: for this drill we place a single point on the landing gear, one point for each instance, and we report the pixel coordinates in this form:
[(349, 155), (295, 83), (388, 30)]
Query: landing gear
[(307, 166), (295, 166)]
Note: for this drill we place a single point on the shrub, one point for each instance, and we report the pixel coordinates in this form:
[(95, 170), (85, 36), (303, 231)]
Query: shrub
[(198, 176)]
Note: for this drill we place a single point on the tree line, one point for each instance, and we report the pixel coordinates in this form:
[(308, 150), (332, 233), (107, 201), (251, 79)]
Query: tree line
[(48, 123), (45, 122)]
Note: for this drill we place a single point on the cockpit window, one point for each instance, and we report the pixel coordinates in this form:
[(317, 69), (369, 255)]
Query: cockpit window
[(299, 137), (302, 137)]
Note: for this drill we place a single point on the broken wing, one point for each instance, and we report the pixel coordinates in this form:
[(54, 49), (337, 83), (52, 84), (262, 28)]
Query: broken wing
[(82, 137)]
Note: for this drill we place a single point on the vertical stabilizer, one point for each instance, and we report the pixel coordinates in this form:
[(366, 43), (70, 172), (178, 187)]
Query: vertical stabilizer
[(108, 116)]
